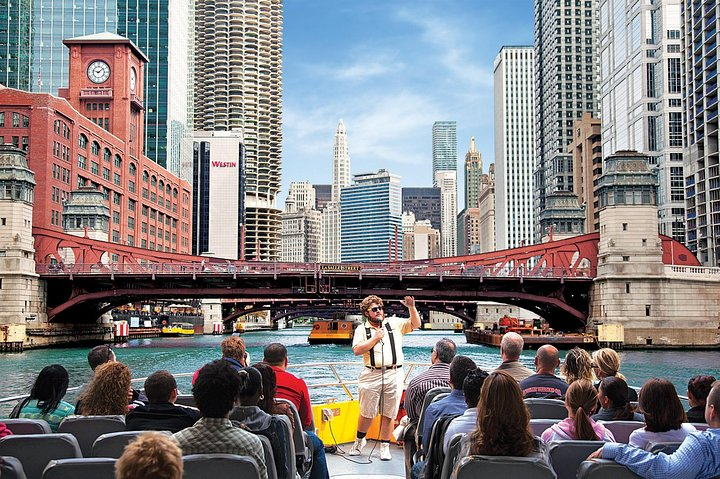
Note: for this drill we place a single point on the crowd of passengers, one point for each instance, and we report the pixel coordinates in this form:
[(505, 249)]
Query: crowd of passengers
[(236, 402)]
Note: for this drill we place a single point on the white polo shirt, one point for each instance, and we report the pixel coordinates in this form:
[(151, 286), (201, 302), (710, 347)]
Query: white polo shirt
[(383, 351)]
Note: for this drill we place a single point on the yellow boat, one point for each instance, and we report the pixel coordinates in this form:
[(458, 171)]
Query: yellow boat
[(178, 329), (334, 331), (240, 327)]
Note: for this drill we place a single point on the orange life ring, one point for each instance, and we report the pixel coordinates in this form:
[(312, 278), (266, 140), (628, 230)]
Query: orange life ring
[(343, 325), (316, 326)]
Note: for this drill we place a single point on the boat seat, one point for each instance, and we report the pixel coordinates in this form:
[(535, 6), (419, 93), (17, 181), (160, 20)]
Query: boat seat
[(91, 467), (666, 447), (431, 396), (538, 426), (220, 466), (24, 426), (185, 400), (541, 408), (566, 456), (290, 461), (11, 468), (604, 469), (621, 430), (472, 467), (452, 456), (88, 428), (269, 457), (112, 444), (35, 451), (303, 447)]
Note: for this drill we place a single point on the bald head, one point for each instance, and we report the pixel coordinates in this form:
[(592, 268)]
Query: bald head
[(511, 346), (712, 408), (547, 359)]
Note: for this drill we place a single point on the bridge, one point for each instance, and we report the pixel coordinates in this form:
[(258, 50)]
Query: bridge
[(87, 277)]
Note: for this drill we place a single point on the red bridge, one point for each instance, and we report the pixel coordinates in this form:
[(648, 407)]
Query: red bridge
[(88, 277)]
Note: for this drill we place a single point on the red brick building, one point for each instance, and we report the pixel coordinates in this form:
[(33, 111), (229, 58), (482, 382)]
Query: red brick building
[(93, 136)]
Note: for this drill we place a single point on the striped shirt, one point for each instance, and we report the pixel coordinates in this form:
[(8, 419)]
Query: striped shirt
[(218, 435), (437, 375), (33, 410)]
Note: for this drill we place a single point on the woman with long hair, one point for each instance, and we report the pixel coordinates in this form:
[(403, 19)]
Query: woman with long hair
[(577, 365), (606, 363), (580, 402), (665, 419), (107, 392), (45, 399), (268, 403), (503, 422), (614, 404)]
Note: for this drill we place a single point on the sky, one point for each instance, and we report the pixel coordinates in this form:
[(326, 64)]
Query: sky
[(389, 69)]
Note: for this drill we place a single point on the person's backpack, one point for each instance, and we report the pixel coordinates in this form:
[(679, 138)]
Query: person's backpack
[(435, 455)]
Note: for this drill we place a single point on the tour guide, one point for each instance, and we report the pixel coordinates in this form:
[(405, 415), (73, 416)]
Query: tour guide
[(379, 340)]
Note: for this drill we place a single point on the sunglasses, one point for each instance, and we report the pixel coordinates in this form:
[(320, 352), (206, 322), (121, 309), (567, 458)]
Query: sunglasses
[(375, 309)]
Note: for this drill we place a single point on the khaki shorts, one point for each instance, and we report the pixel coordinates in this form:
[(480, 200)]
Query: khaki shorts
[(371, 383)]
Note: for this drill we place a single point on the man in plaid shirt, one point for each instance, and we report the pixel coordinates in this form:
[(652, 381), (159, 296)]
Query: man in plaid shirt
[(215, 391)]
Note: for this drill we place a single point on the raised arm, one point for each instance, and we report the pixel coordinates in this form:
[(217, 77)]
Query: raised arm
[(409, 303)]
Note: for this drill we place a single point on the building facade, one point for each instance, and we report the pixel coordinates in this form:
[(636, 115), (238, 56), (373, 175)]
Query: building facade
[(447, 182), (473, 171), (424, 202), (586, 151), (93, 137), (486, 205), (420, 239), (641, 95), (331, 232), (301, 225), (323, 196), (16, 25), (468, 234), (371, 218), (514, 90), (238, 87), (566, 85), (702, 174), (444, 147)]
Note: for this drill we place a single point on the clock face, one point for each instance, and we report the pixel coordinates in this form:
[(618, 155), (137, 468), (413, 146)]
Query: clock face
[(133, 79), (98, 71)]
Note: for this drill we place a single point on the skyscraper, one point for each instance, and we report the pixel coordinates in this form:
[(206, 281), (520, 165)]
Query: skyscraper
[(238, 87), (566, 65), (702, 175), (514, 146), (447, 182), (641, 85), (444, 147), (35, 59), (300, 236), (371, 217), (473, 170), (331, 247), (424, 202)]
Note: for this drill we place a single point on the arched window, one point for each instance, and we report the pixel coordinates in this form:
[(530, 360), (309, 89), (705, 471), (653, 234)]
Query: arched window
[(145, 176), (175, 192), (133, 169), (95, 148), (82, 141), (153, 181), (107, 154), (118, 161), (161, 186), (168, 189)]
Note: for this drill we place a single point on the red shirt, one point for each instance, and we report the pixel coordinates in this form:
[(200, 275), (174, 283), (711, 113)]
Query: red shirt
[(294, 389)]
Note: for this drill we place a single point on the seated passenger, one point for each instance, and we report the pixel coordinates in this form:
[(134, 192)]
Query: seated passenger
[(580, 402), (437, 375), (102, 354), (233, 351), (45, 399), (664, 415), (161, 413), (697, 456), (698, 390), (544, 383), (153, 455), (511, 347), (614, 404), (215, 392), (606, 363), (4, 431), (107, 392), (577, 365), (268, 403), (258, 421), (468, 421), (503, 425)]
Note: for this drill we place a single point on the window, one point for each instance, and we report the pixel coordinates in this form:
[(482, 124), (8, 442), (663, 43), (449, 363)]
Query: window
[(131, 186), (82, 141), (627, 288), (674, 75), (116, 217), (131, 205), (116, 236), (16, 121), (133, 169), (131, 223), (116, 178), (118, 161), (106, 173), (82, 162), (116, 198), (95, 148), (626, 259), (647, 310), (107, 154), (94, 167), (624, 226)]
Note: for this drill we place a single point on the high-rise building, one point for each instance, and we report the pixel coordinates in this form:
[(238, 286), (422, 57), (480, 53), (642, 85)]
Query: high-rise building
[(444, 147), (473, 170), (300, 234), (331, 233), (371, 218), (514, 83), (447, 182), (468, 233), (238, 87), (323, 196), (486, 205), (420, 240), (34, 59), (566, 66), (641, 85), (586, 150), (702, 175), (424, 202)]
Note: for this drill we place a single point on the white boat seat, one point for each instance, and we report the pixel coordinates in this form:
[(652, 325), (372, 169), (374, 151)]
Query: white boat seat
[(604, 469), (24, 426), (11, 468), (472, 467), (621, 430), (566, 456), (88, 428), (541, 408)]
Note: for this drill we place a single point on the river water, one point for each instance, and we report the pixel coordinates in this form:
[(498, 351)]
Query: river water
[(185, 355)]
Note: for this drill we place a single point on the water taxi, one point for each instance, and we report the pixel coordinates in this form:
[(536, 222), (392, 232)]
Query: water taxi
[(334, 331), (178, 329)]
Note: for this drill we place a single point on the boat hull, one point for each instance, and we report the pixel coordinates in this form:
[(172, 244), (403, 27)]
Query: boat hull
[(336, 331), (533, 341), (329, 340)]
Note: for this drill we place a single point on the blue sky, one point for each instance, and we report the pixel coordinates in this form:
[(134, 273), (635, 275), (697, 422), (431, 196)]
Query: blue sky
[(389, 69)]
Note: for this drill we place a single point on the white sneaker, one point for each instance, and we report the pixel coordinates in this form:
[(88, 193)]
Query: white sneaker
[(357, 447), (385, 452)]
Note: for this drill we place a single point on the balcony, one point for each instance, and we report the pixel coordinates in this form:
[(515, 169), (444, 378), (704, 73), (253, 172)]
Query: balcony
[(96, 93), (136, 101)]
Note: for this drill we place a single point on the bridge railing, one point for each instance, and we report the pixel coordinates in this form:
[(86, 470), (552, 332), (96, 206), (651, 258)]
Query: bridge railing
[(243, 268)]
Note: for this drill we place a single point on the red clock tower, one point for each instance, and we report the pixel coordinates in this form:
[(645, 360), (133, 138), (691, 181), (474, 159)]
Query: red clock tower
[(106, 85)]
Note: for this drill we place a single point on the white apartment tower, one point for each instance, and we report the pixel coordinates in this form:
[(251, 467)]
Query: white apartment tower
[(447, 182), (641, 95), (300, 233), (566, 85), (331, 246), (238, 87), (514, 83)]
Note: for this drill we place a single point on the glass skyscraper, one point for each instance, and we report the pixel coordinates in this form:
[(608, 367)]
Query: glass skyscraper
[(444, 147), (15, 43)]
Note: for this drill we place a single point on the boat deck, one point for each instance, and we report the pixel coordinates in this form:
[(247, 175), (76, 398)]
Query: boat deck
[(368, 465)]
